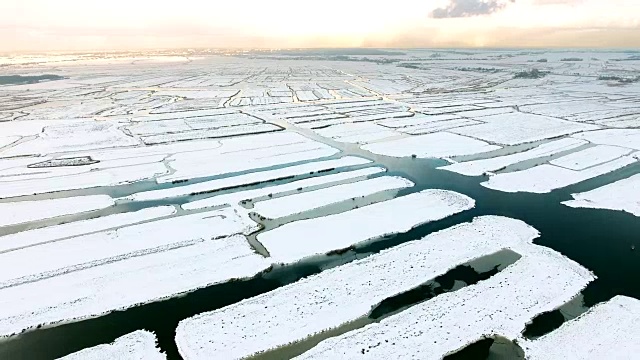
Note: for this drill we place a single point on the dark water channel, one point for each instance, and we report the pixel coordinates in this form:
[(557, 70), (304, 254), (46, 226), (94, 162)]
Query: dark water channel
[(600, 240)]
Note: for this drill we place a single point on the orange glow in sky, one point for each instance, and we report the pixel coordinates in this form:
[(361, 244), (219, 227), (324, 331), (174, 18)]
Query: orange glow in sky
[(45, 25)]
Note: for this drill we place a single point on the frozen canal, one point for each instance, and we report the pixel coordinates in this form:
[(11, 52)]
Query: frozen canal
[(143, 200)]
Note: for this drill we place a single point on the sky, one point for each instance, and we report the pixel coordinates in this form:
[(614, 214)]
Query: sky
[(81, 25)]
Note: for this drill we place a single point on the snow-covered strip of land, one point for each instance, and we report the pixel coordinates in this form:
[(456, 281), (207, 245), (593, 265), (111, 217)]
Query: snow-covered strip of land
[(590, 157), (298, 203), (158, 127), (41, 168), (391, 111), (540, 281), (314, 118), (350, 105), (357, 133), (297, 240), (175, 109), (632, 121), (210, 133), (382, 116), (436, 145), (250, 178), (104, 177), (138, 345), (67, 230), (368, 138), (480, 167), (608, 331), (438, 126), (236, 197), (416, 120), (569, 108), (96, 249), (197, 94), (322, 123), (629, 138), (246, 153), (518, 128), (126, 283), (75, 136), (485, 112), (20, 212), (623, 195), (169, 112), (343, 294), (222, 121), (445, 109), (546, 178), (8, 140)]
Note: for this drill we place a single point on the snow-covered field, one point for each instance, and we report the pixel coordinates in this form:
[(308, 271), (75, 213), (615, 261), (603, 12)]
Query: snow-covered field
[(19, 212), (297, 240), (607, 331), (137, 178), (623, 195), (323, 302), (502, 305), (89, 275), (298, 203), (139, 345)]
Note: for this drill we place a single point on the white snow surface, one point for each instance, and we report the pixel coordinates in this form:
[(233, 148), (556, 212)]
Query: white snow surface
[(323, 302), (250, 178), (622, 195), (629, 138), (12, 213), (360, 133), (246, 153), (67, 230), (236, 197), (518, 128), (8, 140), (546, 178), (21, 172), (84, 135), (503, 305), (416, 120), (104, 177), (438, 126), (59, 257), (138, 345), (435, 145), (298, 203), (590, 157), (480, 167), (608, 331), (297, 240), (221, 132), (214, 251)]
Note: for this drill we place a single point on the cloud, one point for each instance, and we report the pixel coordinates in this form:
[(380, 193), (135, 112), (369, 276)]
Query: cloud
[(467, 8)]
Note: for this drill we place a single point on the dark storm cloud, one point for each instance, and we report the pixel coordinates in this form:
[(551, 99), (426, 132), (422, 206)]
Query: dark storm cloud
[(467, 8)]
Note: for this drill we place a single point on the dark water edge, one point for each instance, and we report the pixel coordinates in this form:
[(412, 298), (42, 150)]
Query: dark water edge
[(454, 279), (600, 240), (27, 79), (461, 276), (490, 348)]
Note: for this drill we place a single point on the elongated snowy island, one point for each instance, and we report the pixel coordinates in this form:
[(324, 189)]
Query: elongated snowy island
[(538, 282), (608, 331), (78, 277), (318, 236)]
